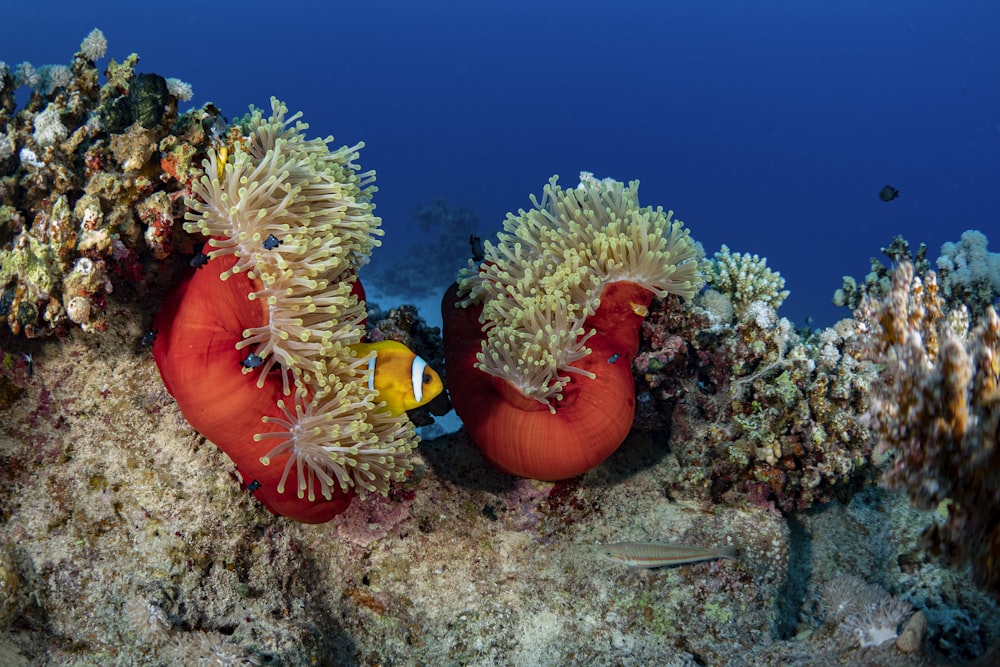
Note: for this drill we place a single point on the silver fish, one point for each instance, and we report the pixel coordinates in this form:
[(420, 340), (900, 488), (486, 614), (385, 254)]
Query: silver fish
[(655, 554)]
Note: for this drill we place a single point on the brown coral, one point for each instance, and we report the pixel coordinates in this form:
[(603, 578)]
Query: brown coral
[(936, 412)]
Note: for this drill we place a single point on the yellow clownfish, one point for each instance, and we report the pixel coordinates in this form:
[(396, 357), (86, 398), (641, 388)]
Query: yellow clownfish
[(402, 379)]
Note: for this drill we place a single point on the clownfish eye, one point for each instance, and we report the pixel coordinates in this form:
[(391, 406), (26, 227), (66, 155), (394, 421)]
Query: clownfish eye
[(427, 378)]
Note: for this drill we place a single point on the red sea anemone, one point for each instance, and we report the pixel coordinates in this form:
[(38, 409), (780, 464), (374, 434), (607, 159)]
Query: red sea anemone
[(198, 327), (522, 436), (259, 346), (540, 337)]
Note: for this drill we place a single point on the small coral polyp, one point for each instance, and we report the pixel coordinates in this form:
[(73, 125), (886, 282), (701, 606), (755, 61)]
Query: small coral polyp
[(540, 336), (256, 344)]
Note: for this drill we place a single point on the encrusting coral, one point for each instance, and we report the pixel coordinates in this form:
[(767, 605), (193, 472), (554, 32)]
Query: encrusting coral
[(256, 346), (936, 411), (540, 336)]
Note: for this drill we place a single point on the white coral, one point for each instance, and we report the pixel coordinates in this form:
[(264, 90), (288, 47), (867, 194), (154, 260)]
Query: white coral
[(28, 157), (760, 313), (878, 622), (49, 129), (94, 46), (180, 89), (148, 621), (746, 278), (53, 77), (969, 264)]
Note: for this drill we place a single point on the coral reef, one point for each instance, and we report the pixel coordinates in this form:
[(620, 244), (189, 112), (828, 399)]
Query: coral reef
[(968, 273), (756, 411), (89, 187), (745, 279), (114, 507), (123, 539), (288, 222), (935, 412), (540, 336)]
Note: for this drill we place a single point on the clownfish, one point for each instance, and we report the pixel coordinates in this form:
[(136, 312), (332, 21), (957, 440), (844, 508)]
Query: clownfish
[(402, 379)]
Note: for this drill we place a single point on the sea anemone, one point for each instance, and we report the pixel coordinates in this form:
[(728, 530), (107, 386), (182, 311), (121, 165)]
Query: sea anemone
[(276, 205), (540, 335), (255, 345), (336, 440)]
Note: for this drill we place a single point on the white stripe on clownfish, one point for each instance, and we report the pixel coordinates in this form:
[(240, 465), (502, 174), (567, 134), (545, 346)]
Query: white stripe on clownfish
[(402, 379)]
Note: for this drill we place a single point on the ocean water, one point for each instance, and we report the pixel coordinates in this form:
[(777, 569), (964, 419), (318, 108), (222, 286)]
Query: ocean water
[(768, 126)]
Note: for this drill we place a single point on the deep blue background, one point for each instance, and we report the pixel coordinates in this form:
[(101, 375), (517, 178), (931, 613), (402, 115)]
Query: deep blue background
[(767, 125)]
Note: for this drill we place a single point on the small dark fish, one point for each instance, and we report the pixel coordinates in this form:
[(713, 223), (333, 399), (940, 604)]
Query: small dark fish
[(219, 128), (478, 248), (272, 242), (199, 260), (149, 337), (888, 193), (614, 357), (252, 361), (29, 364)]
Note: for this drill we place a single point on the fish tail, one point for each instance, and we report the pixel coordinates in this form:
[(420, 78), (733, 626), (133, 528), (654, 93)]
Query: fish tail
[(731, 553)]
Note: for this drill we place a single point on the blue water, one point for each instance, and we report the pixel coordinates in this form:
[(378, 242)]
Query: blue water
[(769, 125)]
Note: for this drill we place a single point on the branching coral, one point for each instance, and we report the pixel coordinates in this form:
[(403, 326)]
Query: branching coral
[(539, 350), (936, 411), (745, 279)]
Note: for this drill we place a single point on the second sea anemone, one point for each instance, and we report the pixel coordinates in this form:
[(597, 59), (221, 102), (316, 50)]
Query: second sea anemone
[(540, 336)]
